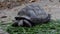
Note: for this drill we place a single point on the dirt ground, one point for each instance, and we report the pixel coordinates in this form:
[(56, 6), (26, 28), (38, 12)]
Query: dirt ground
[(51, 6)]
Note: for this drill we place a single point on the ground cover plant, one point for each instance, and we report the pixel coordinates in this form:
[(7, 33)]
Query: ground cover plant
[(52, 27)]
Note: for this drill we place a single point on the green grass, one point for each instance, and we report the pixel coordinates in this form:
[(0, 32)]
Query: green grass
[(52, 27)]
